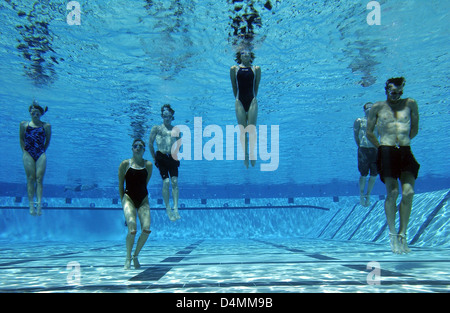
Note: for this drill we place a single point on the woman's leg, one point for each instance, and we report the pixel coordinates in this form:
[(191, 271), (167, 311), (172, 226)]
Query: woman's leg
[(241, 116), (144, 218), (130, 217), (30, 171), (252, 118), (41, 165)]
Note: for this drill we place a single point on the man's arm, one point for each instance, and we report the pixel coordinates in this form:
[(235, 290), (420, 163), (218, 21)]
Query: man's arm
[(414, 118), (151, 141), (371, 122), (149, 167), (175, 133), (356, 127)]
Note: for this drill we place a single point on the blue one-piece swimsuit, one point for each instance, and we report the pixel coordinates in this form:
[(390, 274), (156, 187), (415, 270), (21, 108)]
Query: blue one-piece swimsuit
[(35, 141)]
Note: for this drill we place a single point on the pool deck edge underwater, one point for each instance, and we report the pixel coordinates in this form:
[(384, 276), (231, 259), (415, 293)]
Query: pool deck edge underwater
[(342, 247)]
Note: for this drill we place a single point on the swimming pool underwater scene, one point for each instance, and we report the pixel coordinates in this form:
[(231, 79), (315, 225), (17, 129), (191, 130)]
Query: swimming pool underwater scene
[(287, 219)]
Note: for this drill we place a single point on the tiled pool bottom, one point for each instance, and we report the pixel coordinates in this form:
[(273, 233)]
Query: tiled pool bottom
[(232, 266)]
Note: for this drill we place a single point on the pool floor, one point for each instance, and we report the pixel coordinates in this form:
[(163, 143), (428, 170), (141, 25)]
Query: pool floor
[(293, 265)]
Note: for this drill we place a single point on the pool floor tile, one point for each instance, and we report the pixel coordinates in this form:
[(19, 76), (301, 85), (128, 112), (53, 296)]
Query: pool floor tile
[(222, 266)]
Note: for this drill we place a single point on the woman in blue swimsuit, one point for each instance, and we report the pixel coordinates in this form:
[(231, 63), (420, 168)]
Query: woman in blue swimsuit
[(34, 141), (245, 80), (135, 173)]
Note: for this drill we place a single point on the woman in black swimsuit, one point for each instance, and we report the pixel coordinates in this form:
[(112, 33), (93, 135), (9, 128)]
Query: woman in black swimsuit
[(135, 173), (245, 80)]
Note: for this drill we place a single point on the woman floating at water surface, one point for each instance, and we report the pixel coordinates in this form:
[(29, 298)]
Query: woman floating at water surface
[(245, 80), (34, 141)]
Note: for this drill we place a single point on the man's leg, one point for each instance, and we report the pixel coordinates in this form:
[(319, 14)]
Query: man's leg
[(166, 196), (408, 181), (362, 186), (174, 180), (390, 209), (370, 184)]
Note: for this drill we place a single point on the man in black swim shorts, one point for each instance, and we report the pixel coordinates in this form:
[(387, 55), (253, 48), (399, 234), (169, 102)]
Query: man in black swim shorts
[(166, 136), (367, 156), (397, 122)]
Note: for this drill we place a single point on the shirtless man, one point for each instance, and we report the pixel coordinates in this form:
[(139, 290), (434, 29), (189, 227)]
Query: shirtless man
[(367, 156), (166, 159), (397, 122)]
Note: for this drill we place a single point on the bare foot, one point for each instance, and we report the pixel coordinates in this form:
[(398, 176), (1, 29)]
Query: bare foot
[(176, 214), (171, 215), (395, 245), (403, 243), (136, 263), (32, 211), (367, 202), (127, 264), (39, 209), (362, 200)]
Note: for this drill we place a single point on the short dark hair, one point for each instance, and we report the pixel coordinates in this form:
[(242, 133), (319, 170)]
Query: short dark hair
[(138, 139), (35, 105), (364, 106), (396, 81), (168, 107)]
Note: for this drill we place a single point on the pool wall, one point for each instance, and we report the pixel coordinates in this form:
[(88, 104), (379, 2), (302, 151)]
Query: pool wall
[(326, 218)]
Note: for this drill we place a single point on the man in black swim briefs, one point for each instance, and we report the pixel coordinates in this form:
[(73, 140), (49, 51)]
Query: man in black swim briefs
[(397, 121), (165, 158)]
